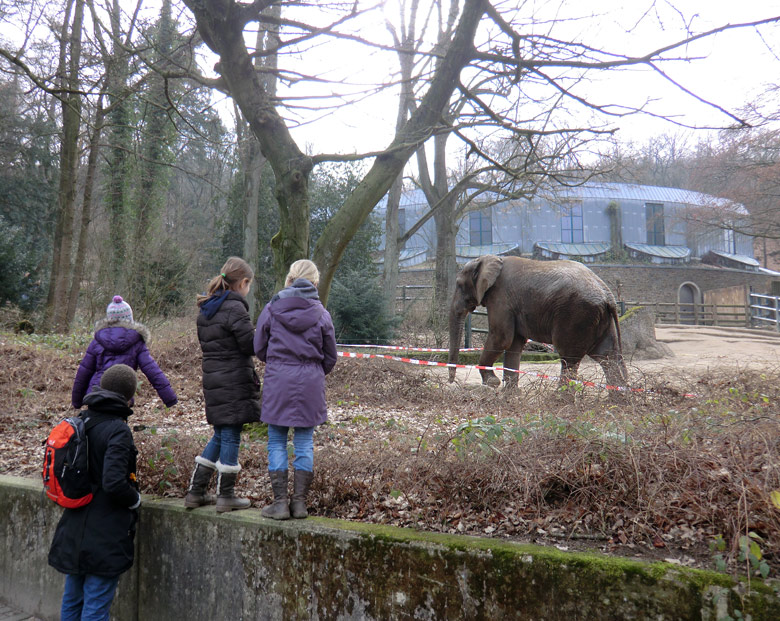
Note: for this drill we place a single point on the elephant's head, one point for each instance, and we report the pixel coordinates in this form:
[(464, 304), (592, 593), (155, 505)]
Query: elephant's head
[(471, 285)]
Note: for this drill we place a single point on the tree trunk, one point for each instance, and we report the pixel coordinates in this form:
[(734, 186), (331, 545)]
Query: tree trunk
[(57, 300), (446, 265), (405, 104), (252, 161), (392, 249), (86, 215), (291, 167), (119, 146), (153, 181)]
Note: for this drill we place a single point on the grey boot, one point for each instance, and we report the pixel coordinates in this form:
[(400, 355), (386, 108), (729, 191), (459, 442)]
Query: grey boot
[(199, 483), (279, 510), (226, 481), (301, 482)]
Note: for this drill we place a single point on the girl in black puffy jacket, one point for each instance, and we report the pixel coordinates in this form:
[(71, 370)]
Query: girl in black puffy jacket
[(231, 387)]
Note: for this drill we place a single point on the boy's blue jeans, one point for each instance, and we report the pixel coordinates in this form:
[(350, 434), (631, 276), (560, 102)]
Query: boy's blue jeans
[(87, 597), (303, 444), (223, 446)]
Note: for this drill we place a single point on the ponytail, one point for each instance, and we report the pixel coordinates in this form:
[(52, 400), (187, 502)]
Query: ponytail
[(233, 273)]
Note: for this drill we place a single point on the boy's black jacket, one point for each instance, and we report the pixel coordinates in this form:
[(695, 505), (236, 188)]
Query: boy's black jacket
[(98, 538)]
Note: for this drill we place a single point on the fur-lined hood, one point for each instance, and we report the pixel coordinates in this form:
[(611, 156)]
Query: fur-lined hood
[(119, 335)]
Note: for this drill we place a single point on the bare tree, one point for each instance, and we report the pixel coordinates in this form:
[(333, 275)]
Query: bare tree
[(69, 81), (251, 157), (744, 167), (509, 52)]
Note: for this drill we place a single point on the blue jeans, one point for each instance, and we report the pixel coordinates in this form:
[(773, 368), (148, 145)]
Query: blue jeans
[(87, 597), (223, 446), (303, 443)]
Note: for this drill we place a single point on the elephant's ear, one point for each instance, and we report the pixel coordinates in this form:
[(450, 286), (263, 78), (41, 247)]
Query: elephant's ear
[(489, 270)]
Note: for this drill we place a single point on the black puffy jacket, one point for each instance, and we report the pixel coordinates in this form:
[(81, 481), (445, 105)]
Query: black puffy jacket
[(98, 538), (231, 387)]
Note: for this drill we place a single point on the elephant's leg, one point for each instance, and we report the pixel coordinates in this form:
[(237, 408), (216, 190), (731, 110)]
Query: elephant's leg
[(512, 361), (614, 367), (495, 344), (608, 355), (569, 366)]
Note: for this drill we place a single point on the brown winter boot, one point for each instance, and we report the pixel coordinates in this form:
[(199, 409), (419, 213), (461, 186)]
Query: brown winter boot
[(226, 481), (279, 510), (199, 483), (301, 482)]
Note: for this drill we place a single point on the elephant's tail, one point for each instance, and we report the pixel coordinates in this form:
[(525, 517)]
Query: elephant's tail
[(613, 312)]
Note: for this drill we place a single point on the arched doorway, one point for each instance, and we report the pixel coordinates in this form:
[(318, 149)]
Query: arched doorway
[(688, 297)]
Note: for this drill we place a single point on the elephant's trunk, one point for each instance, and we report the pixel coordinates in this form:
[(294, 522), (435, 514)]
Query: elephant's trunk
[(456, 331)]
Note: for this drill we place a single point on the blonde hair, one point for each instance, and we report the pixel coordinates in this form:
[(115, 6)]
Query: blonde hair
[(303, 268), (232, 274)]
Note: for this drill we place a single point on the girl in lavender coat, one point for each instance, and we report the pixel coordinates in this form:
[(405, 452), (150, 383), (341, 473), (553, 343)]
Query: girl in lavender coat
[(296, 340), (119, 340)]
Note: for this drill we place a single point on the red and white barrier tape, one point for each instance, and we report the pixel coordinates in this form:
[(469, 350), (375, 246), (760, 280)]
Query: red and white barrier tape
[(404, 348), (427, 349)]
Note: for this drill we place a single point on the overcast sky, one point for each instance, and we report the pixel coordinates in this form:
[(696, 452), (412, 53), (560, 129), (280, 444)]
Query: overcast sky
[(732, 68)]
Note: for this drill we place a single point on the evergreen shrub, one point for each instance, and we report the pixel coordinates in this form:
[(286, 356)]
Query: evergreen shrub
[(359, 313)]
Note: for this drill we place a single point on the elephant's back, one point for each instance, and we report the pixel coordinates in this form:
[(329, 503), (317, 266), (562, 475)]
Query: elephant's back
[(553, 281)]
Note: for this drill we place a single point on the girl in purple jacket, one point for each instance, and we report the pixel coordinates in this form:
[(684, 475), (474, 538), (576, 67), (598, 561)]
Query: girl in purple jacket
[(296, 340), (119, 340)]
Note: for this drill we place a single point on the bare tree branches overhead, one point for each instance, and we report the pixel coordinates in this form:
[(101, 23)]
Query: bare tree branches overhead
[(494, 98), (505, 71)]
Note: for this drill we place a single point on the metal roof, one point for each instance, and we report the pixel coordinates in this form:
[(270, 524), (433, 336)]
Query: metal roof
[(738, 258), (647, 193), (666, 252), (472, 252), (583, 249), (605, 191)]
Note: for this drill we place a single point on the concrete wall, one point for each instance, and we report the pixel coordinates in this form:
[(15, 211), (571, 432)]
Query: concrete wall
[(199, 565)]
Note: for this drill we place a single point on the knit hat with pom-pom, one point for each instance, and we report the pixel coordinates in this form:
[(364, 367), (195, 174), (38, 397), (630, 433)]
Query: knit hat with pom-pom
[(119, 310)]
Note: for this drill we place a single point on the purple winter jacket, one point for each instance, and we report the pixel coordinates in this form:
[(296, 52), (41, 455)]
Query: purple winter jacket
[(119, 342), (296, 340)]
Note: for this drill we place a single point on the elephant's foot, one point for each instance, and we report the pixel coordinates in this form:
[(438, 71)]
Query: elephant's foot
[(567, 390), (491, 380), (618, 397)]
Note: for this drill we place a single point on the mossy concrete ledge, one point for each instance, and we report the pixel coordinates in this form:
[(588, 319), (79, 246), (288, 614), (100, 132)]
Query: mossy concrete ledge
[(199, 565)]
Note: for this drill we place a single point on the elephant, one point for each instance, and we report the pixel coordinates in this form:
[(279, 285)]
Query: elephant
[(558, 302)]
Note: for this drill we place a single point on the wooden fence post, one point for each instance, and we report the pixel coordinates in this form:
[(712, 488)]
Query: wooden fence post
[(777, 314)]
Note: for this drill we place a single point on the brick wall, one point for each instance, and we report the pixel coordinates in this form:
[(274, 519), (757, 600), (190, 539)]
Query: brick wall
[(647, 283), (661, 283)]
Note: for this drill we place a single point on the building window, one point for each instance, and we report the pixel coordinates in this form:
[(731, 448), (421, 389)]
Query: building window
[(401, 221), (480, 228), (730, 240), (654, 219), (571, 223)]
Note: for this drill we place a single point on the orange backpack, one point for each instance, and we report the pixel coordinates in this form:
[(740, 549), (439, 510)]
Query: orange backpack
[(66, 463)]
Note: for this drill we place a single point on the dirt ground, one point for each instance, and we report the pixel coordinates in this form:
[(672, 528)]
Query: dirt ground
[(404, 447), (697, 351)]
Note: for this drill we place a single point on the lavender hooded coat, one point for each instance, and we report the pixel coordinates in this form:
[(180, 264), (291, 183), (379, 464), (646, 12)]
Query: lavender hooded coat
[(296, 340), (119, 342)]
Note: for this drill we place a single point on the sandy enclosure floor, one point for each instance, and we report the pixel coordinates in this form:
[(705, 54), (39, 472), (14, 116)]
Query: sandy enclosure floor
[(697, 350)]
